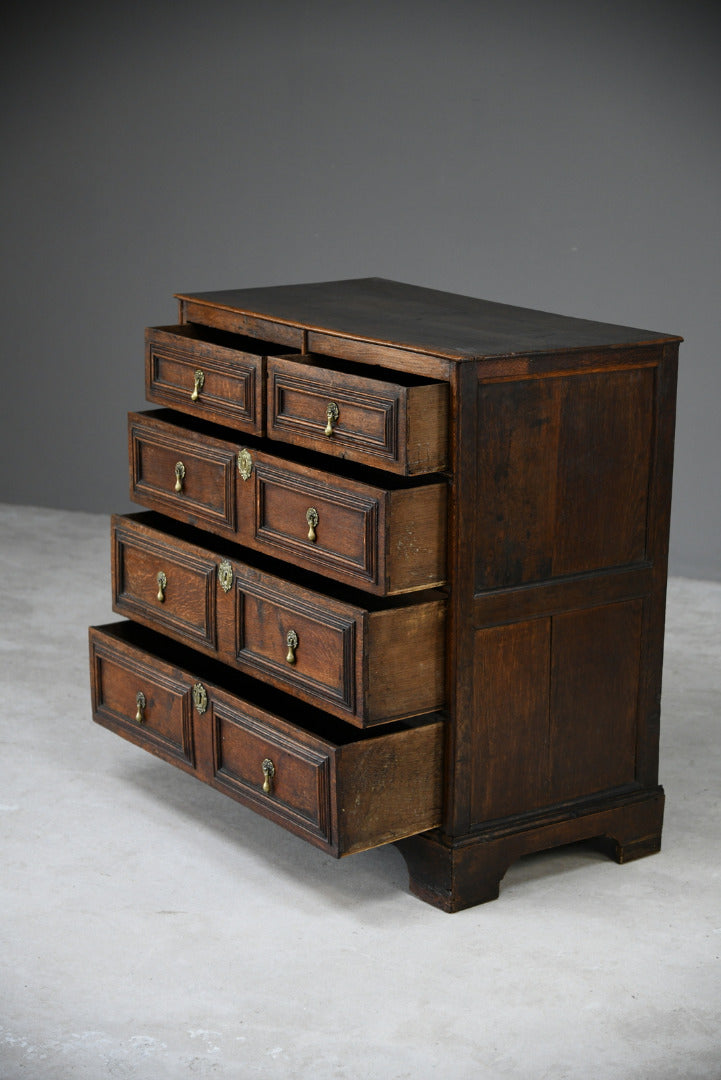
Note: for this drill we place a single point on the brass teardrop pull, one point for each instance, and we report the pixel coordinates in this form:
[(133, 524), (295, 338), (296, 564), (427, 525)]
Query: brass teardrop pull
[(268, 773), (140, 704), (311, 516), (198, 380), (162, 586), (179, 476), (332, 413), (291, 640)]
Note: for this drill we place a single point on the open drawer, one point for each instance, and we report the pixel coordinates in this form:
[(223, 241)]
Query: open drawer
[(364, 659), (342, 789), (395, 421), (378, 533), (207, 373)]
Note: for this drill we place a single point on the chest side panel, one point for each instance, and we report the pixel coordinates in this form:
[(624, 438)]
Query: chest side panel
[(563, 475)]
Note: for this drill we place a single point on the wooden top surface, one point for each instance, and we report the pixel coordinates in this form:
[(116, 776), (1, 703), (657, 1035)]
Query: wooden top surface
[(424, 320)]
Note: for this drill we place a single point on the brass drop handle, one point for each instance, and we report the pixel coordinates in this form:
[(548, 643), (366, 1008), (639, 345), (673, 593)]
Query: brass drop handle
[(162, 586), (311, 516), (291, 640), (268, 773), (140, 704), (332, 413), (198, 380), (179, 476)]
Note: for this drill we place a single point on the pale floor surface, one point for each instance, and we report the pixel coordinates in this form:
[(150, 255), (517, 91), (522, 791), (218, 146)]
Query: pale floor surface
[(151, 928)]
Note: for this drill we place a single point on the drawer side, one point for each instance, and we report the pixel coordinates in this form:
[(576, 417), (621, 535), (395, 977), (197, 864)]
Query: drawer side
[(390, 787)]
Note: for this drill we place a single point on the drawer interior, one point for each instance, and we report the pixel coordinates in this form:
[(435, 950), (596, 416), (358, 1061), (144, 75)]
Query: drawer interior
[(210, 335), (332, 364)]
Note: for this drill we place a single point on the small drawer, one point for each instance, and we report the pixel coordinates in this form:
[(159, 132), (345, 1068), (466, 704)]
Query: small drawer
[(147, 704), (207, 373), (164, 583), (182, 473), (367, 662), (341, 789), (385, 539), (399, 423)]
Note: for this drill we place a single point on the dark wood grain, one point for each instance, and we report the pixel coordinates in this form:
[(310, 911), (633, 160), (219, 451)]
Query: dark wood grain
[(491, 515), (412, 317)]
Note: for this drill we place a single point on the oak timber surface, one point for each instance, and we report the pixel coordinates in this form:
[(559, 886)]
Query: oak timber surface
[(427, 320)]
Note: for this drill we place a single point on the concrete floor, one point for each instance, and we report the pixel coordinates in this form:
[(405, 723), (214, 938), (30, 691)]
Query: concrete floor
[(151, 928)]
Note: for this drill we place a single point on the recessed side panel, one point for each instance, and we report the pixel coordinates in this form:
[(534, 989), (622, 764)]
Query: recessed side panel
[(555, 710), (563, 468), (510, 763), (594, 699)]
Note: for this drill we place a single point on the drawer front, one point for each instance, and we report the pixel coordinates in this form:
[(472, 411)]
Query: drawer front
[(181, 474), (400, 428), (287, 638), (164, 584), (316, 520), (203, 378), (148, 705), (265, 767), (341, 789)]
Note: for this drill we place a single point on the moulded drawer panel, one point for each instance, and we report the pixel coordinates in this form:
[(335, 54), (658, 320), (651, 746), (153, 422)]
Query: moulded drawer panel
[(163, 583), (384, 540), (146, 704), (335, 528), (189, 369), (401, 426), (184, 475)]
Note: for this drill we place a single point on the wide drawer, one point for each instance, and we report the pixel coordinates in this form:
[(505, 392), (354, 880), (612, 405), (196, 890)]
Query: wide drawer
[(399, 423), (385, 539), (367, 662), (207, 373), (339, 788)]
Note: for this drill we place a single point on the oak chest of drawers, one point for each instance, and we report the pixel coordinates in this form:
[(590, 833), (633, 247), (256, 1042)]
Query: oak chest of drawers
[(400, 573)]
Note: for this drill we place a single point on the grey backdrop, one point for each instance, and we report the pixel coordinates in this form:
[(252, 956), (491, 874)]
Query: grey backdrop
[(557, 155)]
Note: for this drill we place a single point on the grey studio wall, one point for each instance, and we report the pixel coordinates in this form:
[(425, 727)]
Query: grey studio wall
[(556, 155)]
